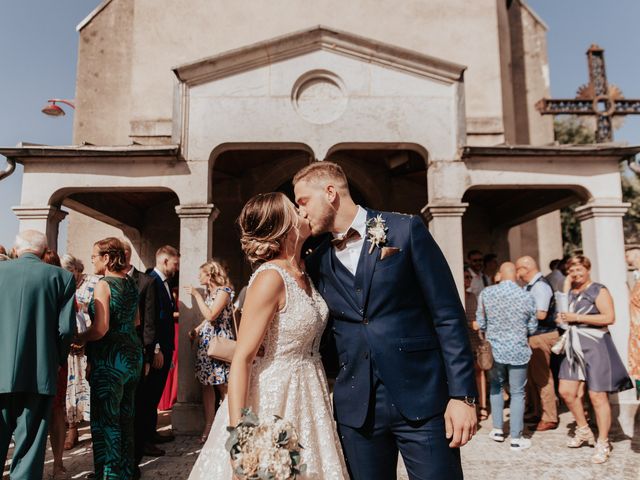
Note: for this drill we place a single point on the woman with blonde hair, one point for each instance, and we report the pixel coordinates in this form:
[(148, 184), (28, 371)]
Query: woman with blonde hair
[(285, 314), (216, 306), (591, 357)]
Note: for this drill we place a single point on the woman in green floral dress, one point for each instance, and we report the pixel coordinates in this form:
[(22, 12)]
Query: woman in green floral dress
[(115, 359)]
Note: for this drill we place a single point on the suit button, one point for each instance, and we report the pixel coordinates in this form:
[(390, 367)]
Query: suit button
[(365, 320), (358, 290)]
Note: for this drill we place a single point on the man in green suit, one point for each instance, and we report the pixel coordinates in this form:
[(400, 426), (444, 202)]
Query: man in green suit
[(37, 323)]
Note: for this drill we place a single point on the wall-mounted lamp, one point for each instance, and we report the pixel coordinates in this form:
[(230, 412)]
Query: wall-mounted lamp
[(54, 110)]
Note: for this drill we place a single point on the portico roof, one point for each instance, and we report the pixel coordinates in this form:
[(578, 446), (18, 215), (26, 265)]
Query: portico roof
[(33, 151), (623, 152)]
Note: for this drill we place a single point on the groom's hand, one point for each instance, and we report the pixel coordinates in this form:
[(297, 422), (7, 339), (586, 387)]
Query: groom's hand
[(460, 422)]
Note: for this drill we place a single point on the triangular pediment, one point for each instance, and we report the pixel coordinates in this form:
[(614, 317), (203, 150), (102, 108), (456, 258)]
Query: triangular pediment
[(318, 38)]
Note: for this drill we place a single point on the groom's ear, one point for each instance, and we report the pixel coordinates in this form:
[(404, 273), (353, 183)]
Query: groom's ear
[(331, 192)]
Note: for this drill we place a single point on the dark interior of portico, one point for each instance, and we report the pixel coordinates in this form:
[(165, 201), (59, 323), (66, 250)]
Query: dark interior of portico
[(388, 178), (146, 216), (493, 211)]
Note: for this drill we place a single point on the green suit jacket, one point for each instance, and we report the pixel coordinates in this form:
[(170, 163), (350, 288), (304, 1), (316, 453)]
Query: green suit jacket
[(37, 323)]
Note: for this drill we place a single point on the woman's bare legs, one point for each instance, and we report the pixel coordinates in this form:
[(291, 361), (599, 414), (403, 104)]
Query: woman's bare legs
[(602, 408), (56, 437), (570, 392), (209, 404)]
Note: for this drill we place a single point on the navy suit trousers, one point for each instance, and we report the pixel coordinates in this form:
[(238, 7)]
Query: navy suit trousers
[(372, 450)]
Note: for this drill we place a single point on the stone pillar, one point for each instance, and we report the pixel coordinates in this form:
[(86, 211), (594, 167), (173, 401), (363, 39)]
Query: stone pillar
[(44, 219), (603, 243), (445, 224), (196, 226)]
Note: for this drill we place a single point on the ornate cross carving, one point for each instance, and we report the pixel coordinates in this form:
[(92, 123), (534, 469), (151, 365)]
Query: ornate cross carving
[(595, 98)]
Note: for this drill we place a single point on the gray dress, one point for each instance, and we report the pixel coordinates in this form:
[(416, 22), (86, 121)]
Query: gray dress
[(591, 355)]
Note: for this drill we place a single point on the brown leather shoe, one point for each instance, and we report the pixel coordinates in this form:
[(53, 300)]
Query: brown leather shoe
[(544, 426)]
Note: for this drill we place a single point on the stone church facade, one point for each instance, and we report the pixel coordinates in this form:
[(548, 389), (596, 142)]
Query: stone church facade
[(185, 109)]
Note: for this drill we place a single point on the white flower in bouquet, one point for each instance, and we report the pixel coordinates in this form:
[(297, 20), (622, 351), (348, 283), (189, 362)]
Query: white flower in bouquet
[(264, 450), (376, 232)]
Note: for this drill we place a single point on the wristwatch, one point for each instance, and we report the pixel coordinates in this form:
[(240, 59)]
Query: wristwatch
[(471, 401)]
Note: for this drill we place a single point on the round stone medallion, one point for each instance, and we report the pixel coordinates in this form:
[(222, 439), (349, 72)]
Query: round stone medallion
[(319, 97)]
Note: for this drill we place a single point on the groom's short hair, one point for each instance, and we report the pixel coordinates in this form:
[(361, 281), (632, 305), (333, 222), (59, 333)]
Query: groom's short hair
[(322, 170)]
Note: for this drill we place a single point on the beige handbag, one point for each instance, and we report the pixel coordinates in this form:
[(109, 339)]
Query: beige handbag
[(222, 348)]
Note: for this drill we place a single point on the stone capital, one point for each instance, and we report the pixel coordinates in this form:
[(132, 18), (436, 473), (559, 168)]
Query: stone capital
[(452, 209), (202, 210), (49, 213), (595, 210)]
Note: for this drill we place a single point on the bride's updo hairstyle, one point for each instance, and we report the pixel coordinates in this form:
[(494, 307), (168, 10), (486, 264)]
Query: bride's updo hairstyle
[(264, 223)]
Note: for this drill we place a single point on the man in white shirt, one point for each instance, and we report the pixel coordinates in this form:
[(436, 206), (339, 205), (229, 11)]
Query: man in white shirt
[(476, 264)]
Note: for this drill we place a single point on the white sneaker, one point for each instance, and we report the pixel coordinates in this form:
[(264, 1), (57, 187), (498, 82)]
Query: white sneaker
[(518, 444), (497, 435)]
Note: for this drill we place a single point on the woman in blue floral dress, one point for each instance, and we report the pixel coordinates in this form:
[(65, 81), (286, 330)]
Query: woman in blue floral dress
[(217, 308)]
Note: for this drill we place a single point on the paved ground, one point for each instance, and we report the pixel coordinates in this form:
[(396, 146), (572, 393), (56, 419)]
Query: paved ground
[(548, 459)]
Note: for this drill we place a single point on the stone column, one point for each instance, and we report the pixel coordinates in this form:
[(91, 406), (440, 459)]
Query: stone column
[(445, 224), (196, 226), (44, 219)]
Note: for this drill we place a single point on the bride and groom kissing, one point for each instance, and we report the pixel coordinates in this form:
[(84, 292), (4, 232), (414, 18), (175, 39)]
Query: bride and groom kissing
[(380, 295)]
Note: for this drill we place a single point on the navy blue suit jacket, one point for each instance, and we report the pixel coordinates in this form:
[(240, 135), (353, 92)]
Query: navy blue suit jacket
[(165, 331), (404, 323)]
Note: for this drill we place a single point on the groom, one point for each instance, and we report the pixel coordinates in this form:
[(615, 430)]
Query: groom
[(406, 378)]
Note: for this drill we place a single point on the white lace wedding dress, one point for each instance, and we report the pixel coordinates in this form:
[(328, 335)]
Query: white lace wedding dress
[(288, 381)]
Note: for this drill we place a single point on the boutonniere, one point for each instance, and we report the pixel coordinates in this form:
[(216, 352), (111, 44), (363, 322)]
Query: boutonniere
[(376, 232)]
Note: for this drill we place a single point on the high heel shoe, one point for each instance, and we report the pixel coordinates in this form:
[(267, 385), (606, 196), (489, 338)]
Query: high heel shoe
[(583, 435), (603, 450)]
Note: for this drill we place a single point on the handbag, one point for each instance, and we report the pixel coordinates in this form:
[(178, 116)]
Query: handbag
[(222, 348), (484, 353)]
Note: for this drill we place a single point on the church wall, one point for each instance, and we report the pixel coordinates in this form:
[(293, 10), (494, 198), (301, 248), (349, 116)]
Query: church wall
[(103, 81), (456, 30)]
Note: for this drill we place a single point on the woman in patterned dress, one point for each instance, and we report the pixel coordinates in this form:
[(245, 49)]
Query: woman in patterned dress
[(591, 356), (115, 357), (217, 309), (77, 399)]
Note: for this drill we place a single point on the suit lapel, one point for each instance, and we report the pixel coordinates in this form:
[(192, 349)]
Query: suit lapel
[(367, 263)]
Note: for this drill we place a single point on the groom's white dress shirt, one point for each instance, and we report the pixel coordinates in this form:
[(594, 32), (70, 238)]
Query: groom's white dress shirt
[(350, 255)]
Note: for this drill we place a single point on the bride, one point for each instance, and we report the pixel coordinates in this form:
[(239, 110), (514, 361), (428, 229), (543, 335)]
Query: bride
[(285, 314)]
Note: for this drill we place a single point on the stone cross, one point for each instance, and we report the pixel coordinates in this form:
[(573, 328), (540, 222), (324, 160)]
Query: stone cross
[(596, 98)]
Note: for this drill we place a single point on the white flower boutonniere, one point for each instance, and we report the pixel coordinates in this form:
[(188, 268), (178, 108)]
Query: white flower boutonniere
[(376, 232)]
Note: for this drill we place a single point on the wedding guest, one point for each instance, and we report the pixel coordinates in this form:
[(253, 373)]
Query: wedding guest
[(479, 281), (167, 265), (556, 277), (146, 331), (632, 257), (541, 394), (37, 309), (634, 330), (591, 356), (57, 422), (490, 266), (217, 309), (470, 306), (78, 389), (115, 359), (507, 314)]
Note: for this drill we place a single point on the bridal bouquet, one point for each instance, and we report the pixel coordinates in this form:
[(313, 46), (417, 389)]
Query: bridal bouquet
[(264, 450)]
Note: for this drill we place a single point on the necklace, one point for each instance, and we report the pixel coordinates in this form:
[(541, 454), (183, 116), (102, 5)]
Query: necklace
[(299, 272)]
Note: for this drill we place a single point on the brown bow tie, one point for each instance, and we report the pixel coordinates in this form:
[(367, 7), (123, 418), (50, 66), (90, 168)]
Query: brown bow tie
[(341, 242)]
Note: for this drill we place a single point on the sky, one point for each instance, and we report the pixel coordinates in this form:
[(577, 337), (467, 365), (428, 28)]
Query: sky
[(38, 56)]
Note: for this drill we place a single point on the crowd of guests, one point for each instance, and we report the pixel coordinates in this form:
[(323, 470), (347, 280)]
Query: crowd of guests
[(549, 338), (98, 347)]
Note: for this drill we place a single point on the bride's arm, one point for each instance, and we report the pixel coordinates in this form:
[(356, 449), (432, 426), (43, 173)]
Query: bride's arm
[(264, 298)]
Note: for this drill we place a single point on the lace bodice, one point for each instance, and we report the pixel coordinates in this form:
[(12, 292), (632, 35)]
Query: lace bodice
[(284, 340)]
